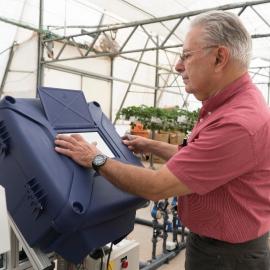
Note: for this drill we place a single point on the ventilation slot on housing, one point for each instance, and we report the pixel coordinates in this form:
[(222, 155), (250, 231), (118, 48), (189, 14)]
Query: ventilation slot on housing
[(36, 196), (4, 140)]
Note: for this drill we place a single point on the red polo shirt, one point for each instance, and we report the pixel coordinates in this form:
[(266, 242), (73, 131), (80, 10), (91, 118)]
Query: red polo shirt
[(227, 165)]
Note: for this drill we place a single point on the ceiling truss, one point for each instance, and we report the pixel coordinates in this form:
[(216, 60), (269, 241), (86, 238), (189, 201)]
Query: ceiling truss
[(158, 43)]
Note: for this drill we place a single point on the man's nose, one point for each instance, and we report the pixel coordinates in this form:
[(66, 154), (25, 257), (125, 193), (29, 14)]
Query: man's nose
[(179, 67)]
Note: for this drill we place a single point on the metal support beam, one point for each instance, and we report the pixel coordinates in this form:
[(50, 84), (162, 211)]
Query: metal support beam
[(111, 97), (61, 50), (96, 37), (113, 54), (40, 69), (260, 35), (151, 161), (94, 34), (156, 75), (19, 24), (260, 16), (94, 75), (171, 17), (143, 22), (128, 38), (255, 73), (149, 36), (171, 32), (178, 17), (258, 74), (259, 67), (176, 75), (145, 63), (13, 254), (242, 10), (37, 258)]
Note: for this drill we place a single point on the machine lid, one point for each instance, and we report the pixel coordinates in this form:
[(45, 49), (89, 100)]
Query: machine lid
[(65, 109)]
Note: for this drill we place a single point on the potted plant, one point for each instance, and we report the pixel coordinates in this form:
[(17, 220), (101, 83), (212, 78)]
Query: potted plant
[(159, 119)]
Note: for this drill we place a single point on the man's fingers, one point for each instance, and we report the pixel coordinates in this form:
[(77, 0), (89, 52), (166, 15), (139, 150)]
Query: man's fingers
[(63, 151), (126, 142), (64, 144), (67, 138), (129, 137), (78, 137)]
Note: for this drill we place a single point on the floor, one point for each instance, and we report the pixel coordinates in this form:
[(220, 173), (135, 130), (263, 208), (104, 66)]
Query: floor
[(143, 235)]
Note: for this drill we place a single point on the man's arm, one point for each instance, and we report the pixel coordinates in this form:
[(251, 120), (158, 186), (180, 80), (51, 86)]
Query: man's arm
[(139, 144), (149, 184)]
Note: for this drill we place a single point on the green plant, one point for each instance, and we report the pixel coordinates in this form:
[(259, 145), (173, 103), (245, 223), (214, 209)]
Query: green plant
[(171, 119)]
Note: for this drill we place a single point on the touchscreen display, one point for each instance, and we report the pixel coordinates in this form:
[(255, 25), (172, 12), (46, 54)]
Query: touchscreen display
[(94, 137)]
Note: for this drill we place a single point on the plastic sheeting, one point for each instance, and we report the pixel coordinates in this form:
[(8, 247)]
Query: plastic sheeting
[(65, 17)]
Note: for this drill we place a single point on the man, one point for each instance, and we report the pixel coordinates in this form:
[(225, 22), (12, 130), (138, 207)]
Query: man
[(222, 177)]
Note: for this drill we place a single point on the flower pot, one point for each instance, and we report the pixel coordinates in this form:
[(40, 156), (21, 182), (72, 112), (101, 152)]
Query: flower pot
[(140, 131)]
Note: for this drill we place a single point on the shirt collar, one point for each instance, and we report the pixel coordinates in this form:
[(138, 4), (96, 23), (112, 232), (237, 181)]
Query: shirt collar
[(220, 98)]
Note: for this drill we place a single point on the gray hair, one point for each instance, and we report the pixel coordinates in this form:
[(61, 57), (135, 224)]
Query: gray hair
[(225, 28)]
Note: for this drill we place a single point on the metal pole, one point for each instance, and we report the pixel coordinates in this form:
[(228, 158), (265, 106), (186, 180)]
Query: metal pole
[(260, 16), (156, 74), (95, 75), (22, 25), (111, 97), (176, 75), (13, 254), (40, 68), (150, 36), (96, 37), (38, 259), (259, 67), (260, 35), (259, 74), (147, 64), (151, 160), (255, 73), (113, 54), (128, 38), (172, 31)]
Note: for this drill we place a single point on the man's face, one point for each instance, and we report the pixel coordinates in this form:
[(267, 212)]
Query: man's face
[(197, 65)]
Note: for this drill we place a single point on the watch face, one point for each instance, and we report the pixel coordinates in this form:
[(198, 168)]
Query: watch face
[(99, 160)]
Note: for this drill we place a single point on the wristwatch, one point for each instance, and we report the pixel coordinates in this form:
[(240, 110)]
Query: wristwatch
[(98, 161)]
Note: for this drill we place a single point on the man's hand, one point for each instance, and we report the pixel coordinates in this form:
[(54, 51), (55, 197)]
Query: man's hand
[(75, 147), (137, 144)]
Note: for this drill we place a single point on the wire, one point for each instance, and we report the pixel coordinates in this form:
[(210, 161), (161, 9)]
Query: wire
[(108, 259), (6, 49), (21, 79)]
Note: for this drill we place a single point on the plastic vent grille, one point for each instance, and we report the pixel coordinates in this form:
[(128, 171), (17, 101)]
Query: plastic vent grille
[(4, 140), (36, 196)]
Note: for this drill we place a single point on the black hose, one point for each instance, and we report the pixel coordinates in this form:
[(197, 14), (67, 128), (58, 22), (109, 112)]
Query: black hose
[(159, 226)]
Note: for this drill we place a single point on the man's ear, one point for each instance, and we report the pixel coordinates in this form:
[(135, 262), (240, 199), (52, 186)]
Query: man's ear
[(222, 58)]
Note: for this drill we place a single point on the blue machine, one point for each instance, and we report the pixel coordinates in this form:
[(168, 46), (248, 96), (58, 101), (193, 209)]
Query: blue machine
[(58, 205)]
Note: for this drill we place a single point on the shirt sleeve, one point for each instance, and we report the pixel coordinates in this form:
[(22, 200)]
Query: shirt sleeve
[(219, 154)]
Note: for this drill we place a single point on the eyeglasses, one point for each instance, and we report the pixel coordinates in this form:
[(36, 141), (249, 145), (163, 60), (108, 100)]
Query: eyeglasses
[(185, 55)]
